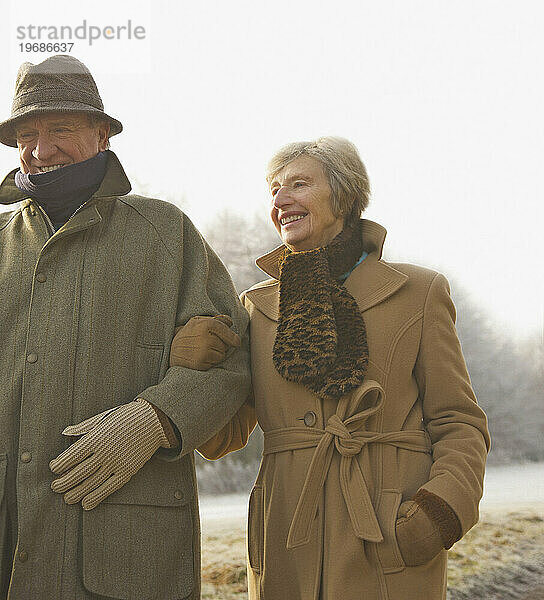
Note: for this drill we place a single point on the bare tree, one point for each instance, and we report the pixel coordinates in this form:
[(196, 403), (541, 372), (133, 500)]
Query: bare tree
[(239, 241), (507, 377)]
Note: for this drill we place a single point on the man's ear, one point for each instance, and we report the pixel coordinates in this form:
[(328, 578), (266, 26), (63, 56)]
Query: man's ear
[(103, 136)]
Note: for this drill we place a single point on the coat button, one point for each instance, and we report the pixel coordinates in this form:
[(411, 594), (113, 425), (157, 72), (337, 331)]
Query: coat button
[(26, 457), (178, 495), (310, 418), (41, 277), (23, 555), (32, 357)]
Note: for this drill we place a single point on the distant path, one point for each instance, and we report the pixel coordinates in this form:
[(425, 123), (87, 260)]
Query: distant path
[(508, 487), (514, 486)]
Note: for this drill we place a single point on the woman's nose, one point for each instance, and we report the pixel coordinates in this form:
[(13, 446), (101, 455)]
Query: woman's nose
[(282, 197)]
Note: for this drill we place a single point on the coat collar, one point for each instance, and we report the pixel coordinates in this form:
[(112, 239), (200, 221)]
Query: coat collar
[(371, 282), (115, 183)]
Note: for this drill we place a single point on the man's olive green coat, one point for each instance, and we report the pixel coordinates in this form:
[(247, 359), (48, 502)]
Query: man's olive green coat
[(323, 510), (87, 317)]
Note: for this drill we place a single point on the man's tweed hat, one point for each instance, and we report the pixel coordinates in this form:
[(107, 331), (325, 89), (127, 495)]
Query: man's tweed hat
[(59, 83)]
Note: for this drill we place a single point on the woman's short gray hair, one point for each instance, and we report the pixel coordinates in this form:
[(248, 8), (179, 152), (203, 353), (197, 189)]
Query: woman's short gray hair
[(348, 179)]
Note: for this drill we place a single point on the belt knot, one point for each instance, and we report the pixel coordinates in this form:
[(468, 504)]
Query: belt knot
[(349, 435), (345, 444)]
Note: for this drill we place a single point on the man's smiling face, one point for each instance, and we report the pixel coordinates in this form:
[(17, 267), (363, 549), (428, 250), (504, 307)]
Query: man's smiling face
[(53, 140)]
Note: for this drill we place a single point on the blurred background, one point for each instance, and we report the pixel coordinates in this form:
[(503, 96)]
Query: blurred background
[(444, 101)]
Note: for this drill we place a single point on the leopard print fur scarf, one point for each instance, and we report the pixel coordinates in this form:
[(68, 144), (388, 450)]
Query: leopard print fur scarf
[(321, 337)]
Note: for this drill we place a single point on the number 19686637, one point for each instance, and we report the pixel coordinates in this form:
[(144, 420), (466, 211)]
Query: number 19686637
[(46, 47)]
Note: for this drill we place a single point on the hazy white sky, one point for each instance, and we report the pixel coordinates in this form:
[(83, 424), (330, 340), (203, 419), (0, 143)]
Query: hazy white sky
[(443, 99)]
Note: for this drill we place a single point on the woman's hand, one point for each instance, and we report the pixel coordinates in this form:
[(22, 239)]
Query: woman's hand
[(203, 342), (417, 536)]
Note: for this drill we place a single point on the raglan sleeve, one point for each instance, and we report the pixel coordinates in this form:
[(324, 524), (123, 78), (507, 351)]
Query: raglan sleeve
[(201, 403), (456, 424)]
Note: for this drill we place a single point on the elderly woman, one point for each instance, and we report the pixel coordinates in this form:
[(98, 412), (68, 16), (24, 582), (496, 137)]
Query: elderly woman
[(374, 445)]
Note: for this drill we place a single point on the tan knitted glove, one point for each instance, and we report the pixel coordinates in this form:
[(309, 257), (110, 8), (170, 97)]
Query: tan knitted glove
[(115, 445), (203, 342)]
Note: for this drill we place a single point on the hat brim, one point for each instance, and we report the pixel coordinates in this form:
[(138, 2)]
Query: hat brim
[(7, 131)]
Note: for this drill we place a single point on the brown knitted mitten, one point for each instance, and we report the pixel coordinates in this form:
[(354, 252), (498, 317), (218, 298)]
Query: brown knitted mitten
[(442, 515), (425, 525), (417, 536)]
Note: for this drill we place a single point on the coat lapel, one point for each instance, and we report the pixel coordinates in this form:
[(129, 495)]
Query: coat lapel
[(370, 283), (373, 281), (267, 299)]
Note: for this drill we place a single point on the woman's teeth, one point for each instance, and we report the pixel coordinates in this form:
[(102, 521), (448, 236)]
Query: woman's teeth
[(286, 220), (48, 168)]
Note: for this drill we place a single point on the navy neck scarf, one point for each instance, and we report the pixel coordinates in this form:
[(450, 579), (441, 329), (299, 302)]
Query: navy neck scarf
[(62, 191)]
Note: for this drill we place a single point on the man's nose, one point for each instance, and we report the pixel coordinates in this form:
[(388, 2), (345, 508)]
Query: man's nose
[(44, 149)]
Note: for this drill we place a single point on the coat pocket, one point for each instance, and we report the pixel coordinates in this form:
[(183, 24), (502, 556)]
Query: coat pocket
[(138, 543), (255, 529), (147, 365), (388, 550)]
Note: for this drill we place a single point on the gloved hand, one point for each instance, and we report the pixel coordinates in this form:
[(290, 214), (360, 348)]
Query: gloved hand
[(417, 536), (203, 342), (115, 445)]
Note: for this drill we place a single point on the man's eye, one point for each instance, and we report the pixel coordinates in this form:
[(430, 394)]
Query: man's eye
[(24, 136), (274, 191), (61, 130), (299, 184)]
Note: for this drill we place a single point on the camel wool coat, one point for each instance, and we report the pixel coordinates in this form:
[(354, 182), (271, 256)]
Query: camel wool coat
[(87, 318), (323, 509)]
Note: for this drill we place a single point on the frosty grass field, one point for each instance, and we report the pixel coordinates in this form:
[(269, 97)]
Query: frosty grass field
[(501, 558)]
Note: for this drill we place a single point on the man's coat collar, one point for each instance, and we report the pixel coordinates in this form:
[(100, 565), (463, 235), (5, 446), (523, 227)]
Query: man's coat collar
[(115, 183)]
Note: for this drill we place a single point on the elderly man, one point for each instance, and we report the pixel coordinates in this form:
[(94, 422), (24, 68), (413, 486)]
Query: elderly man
[(93, 284)]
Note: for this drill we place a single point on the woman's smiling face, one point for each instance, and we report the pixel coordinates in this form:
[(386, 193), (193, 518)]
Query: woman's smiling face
[(301, 205)]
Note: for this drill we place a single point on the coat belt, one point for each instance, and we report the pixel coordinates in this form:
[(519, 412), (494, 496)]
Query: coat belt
[(343, 431)]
